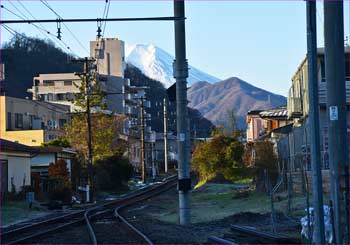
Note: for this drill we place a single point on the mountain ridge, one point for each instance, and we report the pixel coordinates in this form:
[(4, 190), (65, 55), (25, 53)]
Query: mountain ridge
[(215, 100), (157, 64)]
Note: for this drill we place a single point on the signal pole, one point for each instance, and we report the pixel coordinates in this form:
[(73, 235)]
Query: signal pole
[(336, 108), (165, 136), (314, 121), (143, 163), (180, 74)]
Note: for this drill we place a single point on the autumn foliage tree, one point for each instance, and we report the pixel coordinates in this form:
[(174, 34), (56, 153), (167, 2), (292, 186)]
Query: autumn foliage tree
[(59, 171), (105, 129), (105, 126), (221, 155), (265, 163)]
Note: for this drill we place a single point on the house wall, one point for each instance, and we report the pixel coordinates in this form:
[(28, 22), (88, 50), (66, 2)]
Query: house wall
[(37, 117), (44, 160), (18, 169)]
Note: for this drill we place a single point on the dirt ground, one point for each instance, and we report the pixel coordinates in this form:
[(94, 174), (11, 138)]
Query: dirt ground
[(157, 217)]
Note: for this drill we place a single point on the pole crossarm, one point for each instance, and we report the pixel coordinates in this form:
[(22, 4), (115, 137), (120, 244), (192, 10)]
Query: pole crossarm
[(166, 18)]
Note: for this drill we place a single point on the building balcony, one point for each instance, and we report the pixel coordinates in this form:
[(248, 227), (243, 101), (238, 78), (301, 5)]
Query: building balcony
[(294, 107), (322, 92)]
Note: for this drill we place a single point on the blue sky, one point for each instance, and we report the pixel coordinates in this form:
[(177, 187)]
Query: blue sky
[(262, 42)]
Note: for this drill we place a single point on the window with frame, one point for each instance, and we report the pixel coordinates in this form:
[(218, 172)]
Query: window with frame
[(61, 123), (18, 120), (9, 121), (68, 83)]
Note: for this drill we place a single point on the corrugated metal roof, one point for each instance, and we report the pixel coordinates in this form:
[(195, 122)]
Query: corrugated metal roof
[(275, 113)]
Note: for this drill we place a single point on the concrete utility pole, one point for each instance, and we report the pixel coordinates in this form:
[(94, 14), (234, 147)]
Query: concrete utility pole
[(336, 102), (181, 74), (314, 122), (143, 163), (165, 136)]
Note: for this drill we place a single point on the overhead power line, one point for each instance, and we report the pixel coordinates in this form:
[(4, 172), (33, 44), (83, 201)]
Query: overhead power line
[(43, 30), (93, 20), (68, 29)]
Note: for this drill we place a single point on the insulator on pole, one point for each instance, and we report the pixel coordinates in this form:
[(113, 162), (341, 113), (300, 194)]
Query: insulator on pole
[(99, 29), (59, 30)]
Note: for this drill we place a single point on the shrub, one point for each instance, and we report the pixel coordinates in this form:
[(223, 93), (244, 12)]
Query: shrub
[(112, 172)]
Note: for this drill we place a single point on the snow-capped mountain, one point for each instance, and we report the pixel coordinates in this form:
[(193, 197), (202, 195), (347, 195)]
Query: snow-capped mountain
[(157, 64)]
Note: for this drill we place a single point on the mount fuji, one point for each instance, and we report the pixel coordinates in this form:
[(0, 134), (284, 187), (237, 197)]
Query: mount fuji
[(157, 64)]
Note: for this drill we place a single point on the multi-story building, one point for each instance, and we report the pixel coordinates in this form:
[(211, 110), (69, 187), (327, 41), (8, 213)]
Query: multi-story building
[(31, 122), (298, 101), (110, 61), (60, 88)]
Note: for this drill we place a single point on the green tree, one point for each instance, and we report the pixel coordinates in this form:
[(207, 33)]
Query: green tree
[(265, 163), (222, 155), (105, 127), (59, 142)]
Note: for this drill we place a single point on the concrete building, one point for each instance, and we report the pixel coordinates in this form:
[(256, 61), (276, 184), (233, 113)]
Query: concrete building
[(58, 88), (31, 122), (110, 61), (156, 144), (298, 107)]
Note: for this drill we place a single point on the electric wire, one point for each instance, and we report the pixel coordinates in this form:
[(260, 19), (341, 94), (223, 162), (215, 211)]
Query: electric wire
[(44, 31), (66, 26)]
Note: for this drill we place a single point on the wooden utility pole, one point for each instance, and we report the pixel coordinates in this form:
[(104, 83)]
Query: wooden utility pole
[(143, 163), (165, 136), (85, 76)]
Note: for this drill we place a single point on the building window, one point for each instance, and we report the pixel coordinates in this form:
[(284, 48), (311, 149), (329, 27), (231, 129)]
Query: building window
[(49, 83), (323, 71), (9, 121), (68, 83), (61, 123), (18, 120), (347, 67)]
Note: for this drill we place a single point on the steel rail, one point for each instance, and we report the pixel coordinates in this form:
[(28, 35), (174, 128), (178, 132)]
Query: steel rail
[(11, 237), (219, 240)]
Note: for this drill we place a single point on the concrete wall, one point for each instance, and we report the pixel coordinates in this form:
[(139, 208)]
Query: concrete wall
[(30, 134), (18, 169), (110, 53)]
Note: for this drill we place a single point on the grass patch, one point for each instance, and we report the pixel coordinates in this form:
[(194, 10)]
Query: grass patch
[(216, 201), (12, 212)]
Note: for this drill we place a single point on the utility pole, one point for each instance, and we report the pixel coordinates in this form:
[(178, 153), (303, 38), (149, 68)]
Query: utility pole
[(143, 163), (314, 122), (336, 106), (165, 136), (180, 67), (85, 74)]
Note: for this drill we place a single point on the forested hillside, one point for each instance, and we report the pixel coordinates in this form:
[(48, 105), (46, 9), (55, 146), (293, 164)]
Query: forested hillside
[(26, 57)]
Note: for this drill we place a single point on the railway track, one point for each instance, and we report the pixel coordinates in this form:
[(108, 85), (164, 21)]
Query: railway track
[(86, 219), (246, 235)]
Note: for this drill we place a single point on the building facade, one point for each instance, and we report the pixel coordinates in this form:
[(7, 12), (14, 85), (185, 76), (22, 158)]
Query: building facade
[(31, 122), (58, 88), (15, 166)]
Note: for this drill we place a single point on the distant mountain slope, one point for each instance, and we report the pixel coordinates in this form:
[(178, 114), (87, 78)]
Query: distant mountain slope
[(214, 100), (157, 64)]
